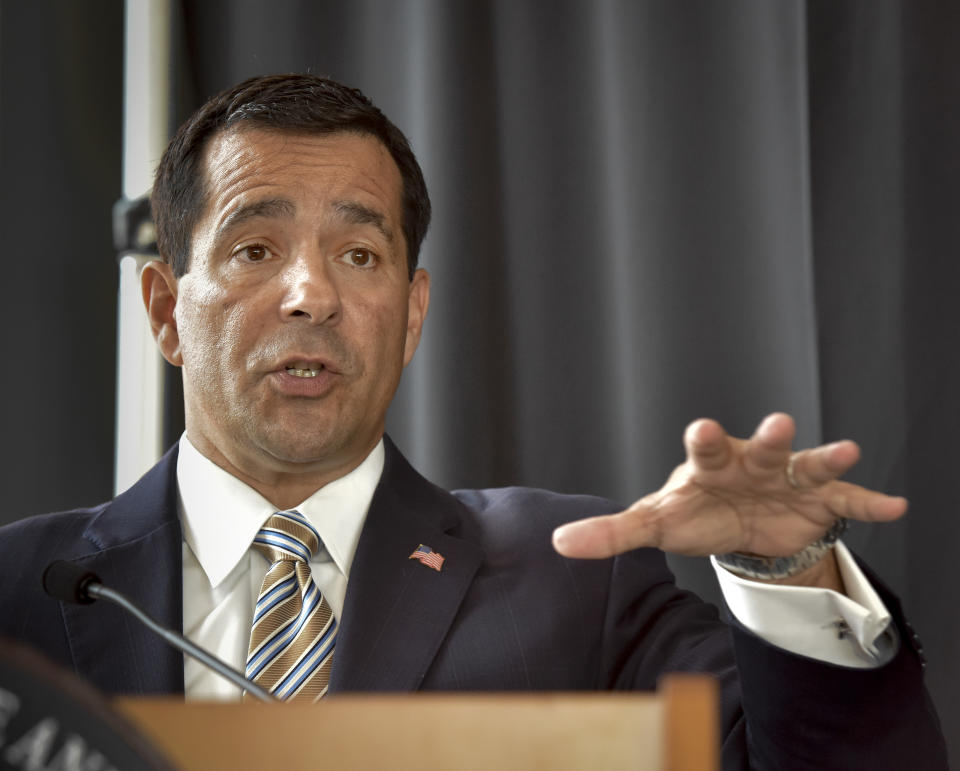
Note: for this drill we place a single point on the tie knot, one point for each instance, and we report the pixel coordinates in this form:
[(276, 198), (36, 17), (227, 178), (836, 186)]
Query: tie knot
[(287, 536)]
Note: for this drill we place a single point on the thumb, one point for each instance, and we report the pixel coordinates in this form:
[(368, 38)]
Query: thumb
[(605, 536)]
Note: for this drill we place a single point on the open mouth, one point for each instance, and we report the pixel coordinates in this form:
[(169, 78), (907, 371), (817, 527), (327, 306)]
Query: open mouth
[(304, 370)]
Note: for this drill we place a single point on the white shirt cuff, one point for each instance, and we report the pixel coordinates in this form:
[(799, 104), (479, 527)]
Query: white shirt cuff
[(852, 630)]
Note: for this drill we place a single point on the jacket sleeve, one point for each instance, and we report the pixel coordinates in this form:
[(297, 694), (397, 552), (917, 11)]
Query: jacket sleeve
[(778, 710)]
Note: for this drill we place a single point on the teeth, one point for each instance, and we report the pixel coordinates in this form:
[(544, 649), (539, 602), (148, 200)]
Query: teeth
[(304, 372)]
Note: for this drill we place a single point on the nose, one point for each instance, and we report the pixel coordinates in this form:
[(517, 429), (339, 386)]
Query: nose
[(310, 291)]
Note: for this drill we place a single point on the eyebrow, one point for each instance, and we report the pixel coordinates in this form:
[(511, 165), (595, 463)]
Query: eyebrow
[(357, 214), (352, 212), (270, 207)]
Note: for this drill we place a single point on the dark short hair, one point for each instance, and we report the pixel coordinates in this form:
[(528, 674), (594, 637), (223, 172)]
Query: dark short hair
[(293, 103)]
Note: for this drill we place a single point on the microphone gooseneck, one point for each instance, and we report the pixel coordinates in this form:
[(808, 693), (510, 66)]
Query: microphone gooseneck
[(68, 582)]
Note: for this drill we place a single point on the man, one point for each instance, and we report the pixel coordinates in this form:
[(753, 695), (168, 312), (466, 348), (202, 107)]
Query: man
[(290, 214)]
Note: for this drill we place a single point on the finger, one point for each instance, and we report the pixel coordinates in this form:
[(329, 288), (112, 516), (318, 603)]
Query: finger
[(768, 450), (605, 536), (819, 465), (855, 502), (708, 445)]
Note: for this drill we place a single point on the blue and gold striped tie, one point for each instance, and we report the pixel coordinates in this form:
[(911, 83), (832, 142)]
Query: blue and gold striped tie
[(294, 631)]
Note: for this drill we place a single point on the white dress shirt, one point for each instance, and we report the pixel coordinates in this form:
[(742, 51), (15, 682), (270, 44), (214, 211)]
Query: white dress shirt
[(851, 630), (222, 575)]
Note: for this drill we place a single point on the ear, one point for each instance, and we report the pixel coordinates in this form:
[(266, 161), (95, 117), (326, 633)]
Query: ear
[(159, 288), (417, 304)]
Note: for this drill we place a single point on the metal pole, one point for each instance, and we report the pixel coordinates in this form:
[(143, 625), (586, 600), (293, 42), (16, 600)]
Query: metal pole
[(139, 429)]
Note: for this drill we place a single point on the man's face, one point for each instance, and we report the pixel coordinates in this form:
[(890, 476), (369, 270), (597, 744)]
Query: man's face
[(296, 316)]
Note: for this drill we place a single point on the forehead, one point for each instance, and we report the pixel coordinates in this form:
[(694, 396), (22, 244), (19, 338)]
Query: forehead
[(313, 171)]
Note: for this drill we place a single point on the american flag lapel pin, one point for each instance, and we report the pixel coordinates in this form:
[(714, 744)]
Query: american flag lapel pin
[(429, 557)]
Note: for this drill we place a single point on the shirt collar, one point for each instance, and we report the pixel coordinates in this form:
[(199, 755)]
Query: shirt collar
[(221, 515)]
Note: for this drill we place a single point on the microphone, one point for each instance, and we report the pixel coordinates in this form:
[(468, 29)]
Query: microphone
[(71, 583)]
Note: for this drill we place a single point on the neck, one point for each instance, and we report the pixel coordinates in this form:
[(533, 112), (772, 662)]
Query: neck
[(285, 484)]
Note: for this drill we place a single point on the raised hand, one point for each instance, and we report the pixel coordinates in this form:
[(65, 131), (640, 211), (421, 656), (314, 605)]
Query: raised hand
[(737, 495)]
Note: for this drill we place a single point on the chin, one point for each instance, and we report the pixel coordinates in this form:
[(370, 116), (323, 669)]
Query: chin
[(309, 450)]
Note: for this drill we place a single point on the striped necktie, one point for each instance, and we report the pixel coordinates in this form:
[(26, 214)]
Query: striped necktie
[(294, 631)]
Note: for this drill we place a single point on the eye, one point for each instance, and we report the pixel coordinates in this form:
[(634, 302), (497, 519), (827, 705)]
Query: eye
[(253, 253), (359, 257)]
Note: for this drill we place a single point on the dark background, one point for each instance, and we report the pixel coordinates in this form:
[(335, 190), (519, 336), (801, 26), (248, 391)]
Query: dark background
[(645, 212)]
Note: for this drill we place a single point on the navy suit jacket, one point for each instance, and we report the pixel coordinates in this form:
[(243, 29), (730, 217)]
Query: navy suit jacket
[(505, 613)]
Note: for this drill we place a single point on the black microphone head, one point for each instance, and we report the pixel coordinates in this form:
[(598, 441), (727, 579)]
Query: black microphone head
[(68, 582)]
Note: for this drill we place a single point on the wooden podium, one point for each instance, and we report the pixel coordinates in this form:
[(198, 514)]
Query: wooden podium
[(674, 729)]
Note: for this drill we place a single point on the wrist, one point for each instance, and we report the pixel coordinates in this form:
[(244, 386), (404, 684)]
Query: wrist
[(802, 568), (825, 574)]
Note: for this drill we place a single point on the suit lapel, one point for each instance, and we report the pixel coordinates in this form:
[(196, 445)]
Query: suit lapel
[(138, 553), (397, 610)]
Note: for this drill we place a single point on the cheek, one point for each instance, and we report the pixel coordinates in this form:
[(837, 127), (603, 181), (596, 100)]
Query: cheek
[(385, 333), (209, 325)]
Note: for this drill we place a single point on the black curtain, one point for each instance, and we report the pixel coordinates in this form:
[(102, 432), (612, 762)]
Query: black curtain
[(61, 89), (645, 212)]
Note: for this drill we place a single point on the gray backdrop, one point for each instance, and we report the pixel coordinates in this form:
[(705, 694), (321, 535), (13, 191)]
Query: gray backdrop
[(645, 212)]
